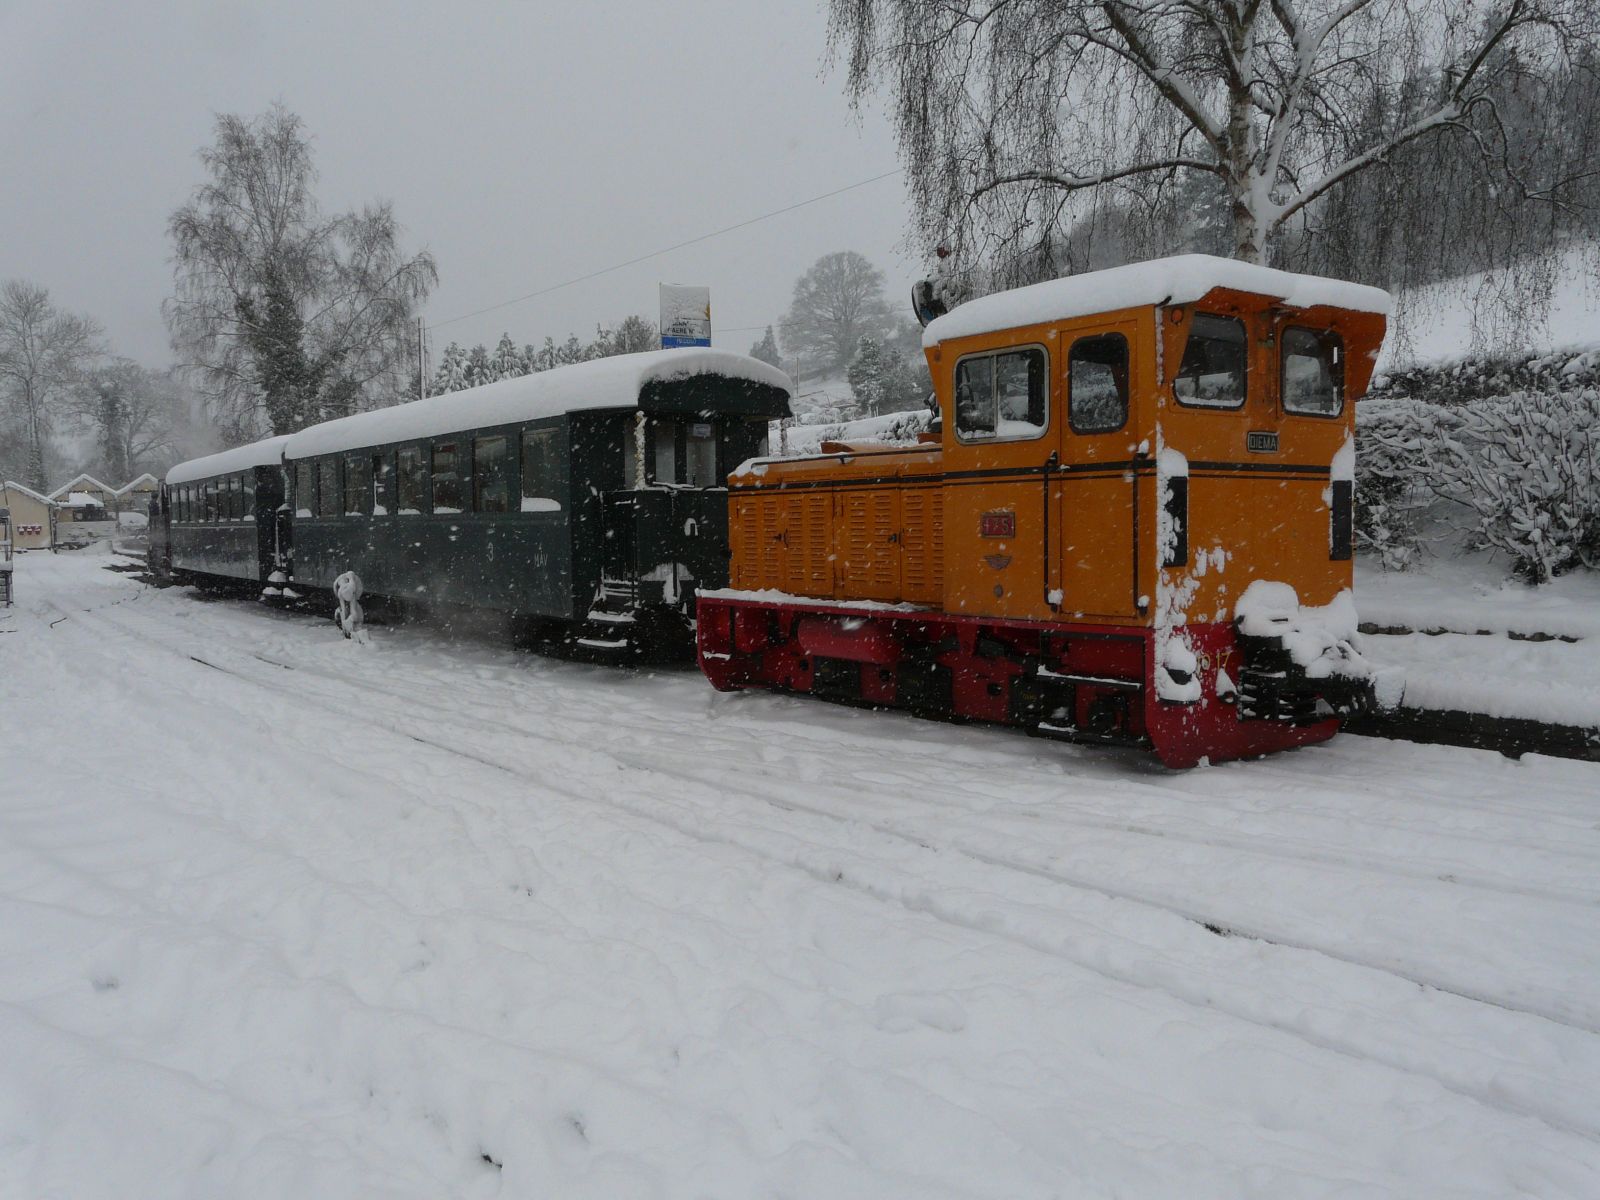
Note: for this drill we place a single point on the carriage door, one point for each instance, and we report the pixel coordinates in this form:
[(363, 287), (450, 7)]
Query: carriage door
[(1093, 514)]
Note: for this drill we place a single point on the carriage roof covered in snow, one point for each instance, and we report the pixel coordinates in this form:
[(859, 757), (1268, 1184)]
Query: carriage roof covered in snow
[(654, 379), (265, 453)]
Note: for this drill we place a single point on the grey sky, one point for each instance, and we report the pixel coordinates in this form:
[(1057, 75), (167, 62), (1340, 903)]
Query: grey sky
[(523, 143)]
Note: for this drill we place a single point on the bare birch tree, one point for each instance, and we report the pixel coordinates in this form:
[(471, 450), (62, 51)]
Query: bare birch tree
[(43, 352), (1017, 117), (284, 315)]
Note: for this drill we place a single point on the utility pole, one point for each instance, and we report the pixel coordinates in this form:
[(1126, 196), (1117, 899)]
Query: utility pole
[(422, 361)]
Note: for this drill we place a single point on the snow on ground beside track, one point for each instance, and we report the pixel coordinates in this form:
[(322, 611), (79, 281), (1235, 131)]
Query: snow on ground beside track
[(1553, 681), (1472, 594), (1448, 663), (427, 917)]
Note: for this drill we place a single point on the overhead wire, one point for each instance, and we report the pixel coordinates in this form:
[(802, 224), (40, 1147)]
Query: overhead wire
[(704, 237)]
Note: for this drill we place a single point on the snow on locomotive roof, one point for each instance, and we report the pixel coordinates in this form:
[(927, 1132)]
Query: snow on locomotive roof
[(601, 383), (266, 453), (1182, 279)]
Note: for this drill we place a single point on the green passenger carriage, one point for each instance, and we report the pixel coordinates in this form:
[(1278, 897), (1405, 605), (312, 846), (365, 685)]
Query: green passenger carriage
[(589, 498), (218, 519)]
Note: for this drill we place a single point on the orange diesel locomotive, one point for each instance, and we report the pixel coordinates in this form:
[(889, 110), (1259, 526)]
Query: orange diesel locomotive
[(1132, 523)]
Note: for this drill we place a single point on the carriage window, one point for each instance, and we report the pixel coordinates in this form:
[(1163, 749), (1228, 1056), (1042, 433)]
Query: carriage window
[(447, 489), (1313, 372), (247, 485), (211, 501), (1002, 396), (1212, 374), (235, 498), (328, 497), (382, 467), (1097, 384), (305, 491), (413, 476), (539, 475), (491, 490), (700, 455), (357, 485)]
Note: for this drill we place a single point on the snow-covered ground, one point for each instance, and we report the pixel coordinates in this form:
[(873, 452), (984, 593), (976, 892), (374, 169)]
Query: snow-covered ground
[(285, 916), (1461, 653)]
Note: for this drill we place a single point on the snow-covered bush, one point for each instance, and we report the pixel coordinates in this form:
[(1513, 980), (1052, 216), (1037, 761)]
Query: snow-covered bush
[(1485, 377), (1393, 441), (1528, 465), (894, 429)]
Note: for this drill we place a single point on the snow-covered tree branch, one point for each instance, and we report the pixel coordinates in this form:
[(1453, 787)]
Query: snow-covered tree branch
[(1015, 117)]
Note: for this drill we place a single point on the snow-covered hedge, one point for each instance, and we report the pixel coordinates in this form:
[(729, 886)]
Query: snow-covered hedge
[(1480, 378), (1525, 466), (1394, 438), (1528, 464)]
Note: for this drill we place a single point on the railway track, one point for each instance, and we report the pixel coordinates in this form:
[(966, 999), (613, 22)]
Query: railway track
[(1310, 850), (1078, 903), (1510, 736)]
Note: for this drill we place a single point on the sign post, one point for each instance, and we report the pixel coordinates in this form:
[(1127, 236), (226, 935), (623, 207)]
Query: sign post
[(685, 316)]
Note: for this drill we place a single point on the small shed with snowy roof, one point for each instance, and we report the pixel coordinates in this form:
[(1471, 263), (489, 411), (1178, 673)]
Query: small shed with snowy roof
[(136, 494), (33, 516), (84, 492)]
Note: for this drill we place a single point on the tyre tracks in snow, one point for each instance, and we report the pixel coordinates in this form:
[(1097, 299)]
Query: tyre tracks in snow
[(974, 903)]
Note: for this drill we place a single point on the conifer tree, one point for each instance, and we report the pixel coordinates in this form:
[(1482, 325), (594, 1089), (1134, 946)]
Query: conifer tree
[(766, 349), (507, 362), (452, 373), (866, 375)]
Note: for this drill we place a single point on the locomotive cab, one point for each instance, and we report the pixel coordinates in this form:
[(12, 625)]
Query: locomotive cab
[(1135, 526)]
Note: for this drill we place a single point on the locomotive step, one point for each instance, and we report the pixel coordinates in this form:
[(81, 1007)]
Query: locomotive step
[(610, 644), (1101, 680)]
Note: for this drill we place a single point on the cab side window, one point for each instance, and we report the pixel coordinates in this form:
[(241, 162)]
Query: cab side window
[(1213, 371), (1313, 372), (1002, 397), (1097, 383)]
